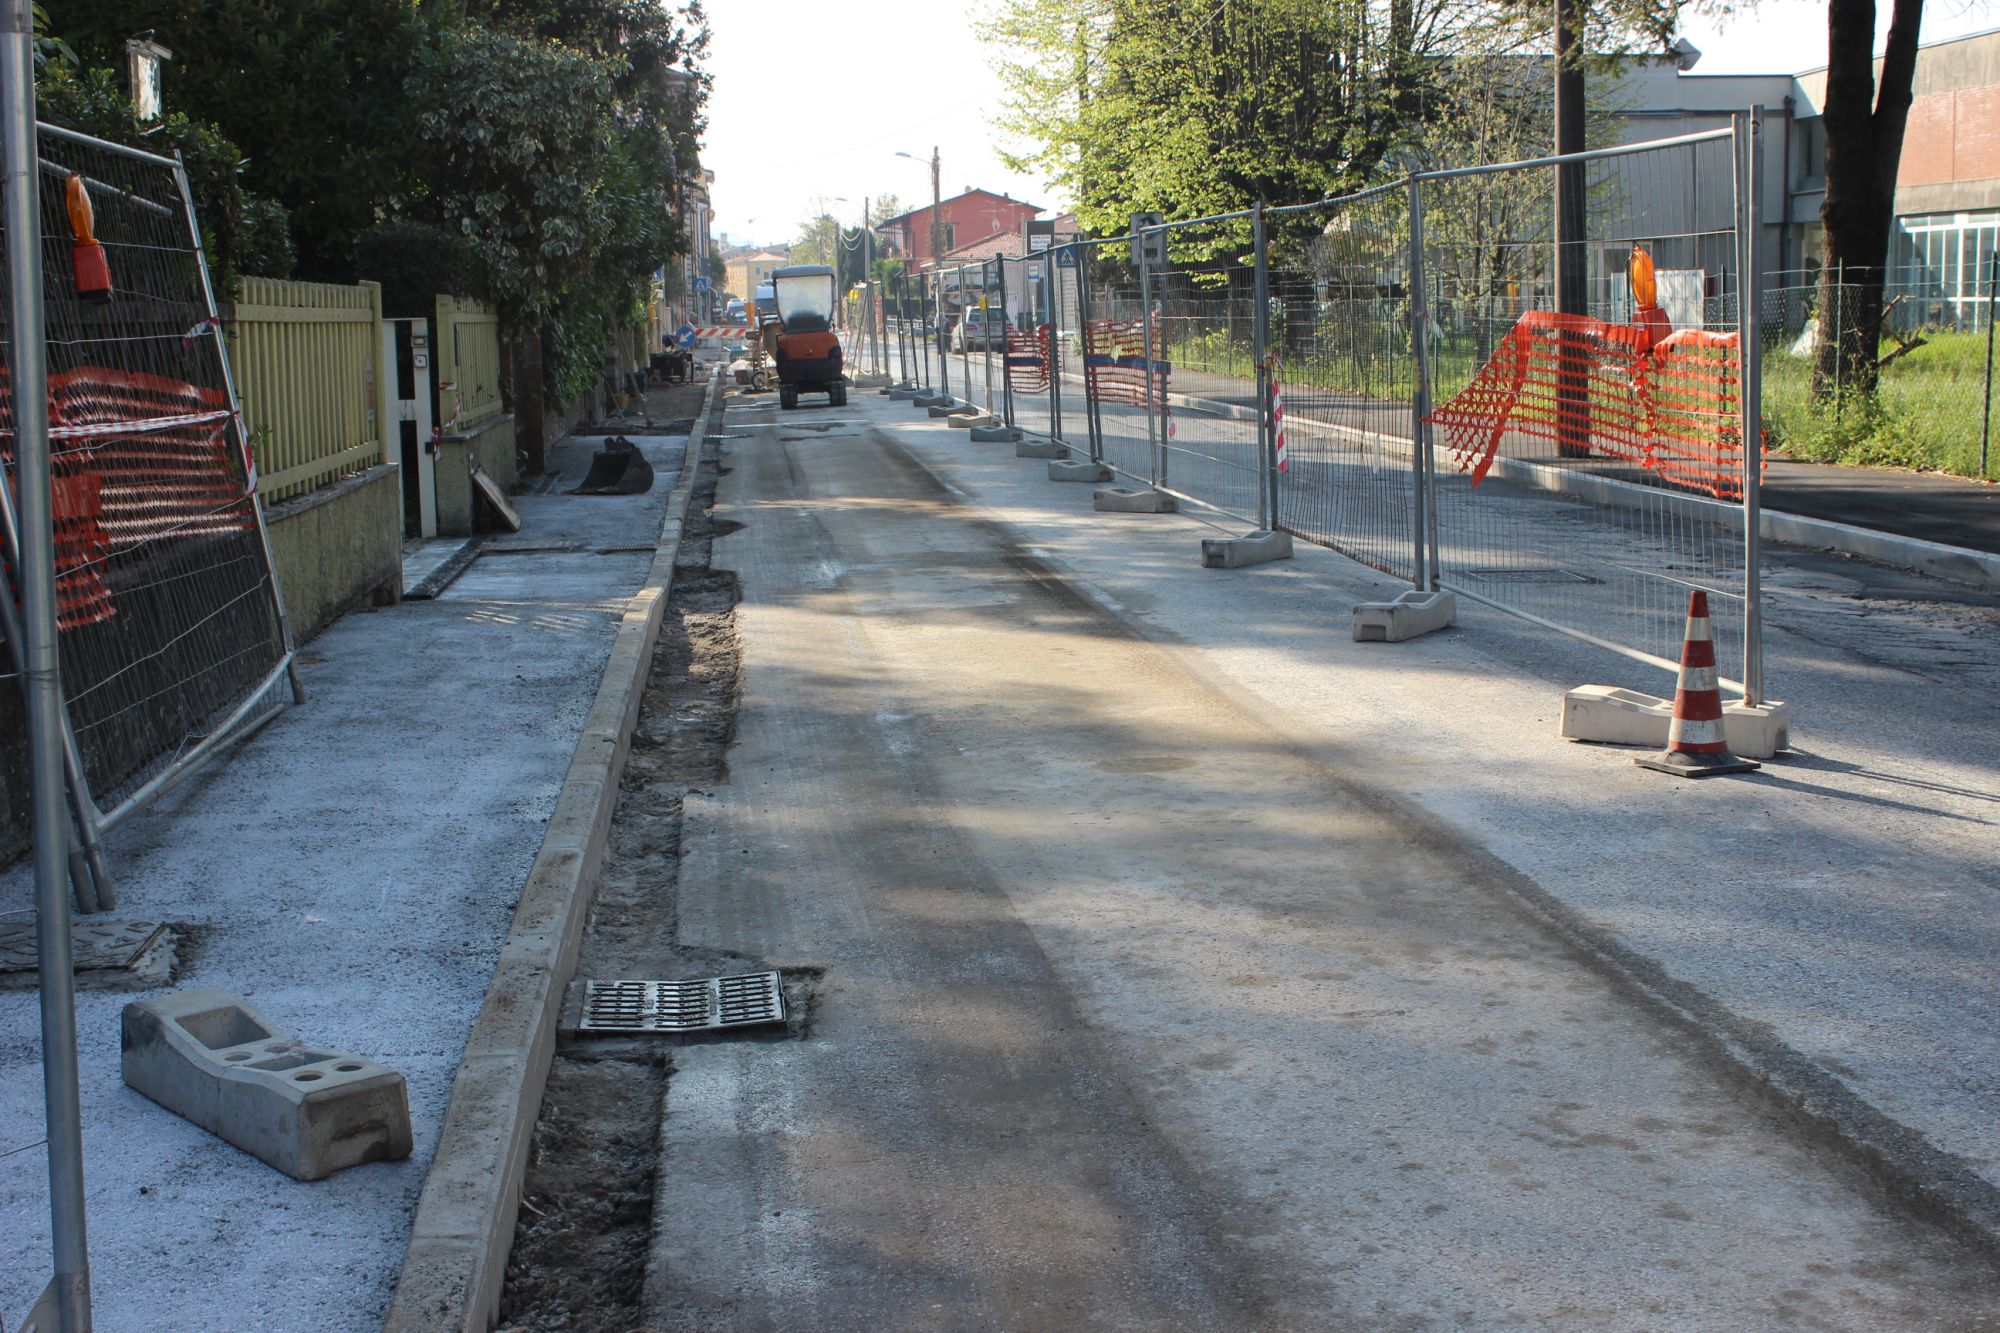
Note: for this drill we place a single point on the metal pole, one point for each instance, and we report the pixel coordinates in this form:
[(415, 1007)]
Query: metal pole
[(902, 289), (40, 667), (1154, 453), (1572, 369), (964, 352), (1260, 344), (1750, 356), (1420, 393), (1006, 328), (986, 324), (1093, 413), (1054, 290), (1986, 413)]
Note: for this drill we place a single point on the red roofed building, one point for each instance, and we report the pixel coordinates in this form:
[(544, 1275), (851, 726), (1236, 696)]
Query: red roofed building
[(974, 216)]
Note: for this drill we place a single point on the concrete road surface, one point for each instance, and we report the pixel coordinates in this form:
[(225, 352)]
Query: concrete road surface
[(1137, 1013)]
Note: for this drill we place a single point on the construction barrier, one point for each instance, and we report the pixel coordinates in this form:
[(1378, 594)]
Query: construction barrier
[(1440, 378), (172, 633)]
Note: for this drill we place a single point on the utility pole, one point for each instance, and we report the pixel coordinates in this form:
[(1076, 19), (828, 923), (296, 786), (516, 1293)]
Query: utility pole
[(1572, 294), (937, 211)]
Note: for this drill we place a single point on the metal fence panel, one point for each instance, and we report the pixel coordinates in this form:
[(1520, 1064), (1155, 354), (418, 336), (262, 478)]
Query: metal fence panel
[(469, 339), (1341, 355), (1205, 401), (1589, 463), (1035, 356), (172, 629), (1112, 351)]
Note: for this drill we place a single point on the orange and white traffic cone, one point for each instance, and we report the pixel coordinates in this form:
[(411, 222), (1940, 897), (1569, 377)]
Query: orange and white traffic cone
[(1695, 744)]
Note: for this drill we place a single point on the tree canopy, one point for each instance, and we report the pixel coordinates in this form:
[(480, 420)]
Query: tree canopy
[(1189, 107), (530, 153)]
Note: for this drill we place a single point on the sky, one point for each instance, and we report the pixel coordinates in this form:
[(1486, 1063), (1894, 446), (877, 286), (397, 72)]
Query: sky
[(809, 110)]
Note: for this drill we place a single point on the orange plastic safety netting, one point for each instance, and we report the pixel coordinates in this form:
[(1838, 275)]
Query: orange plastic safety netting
[(135, 459), (1027, 359), (1114, 360), (1671, 404)]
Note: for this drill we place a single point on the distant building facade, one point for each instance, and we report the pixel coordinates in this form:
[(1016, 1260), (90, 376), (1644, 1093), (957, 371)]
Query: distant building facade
[(1947, 185), (746, 271), (968, 218)]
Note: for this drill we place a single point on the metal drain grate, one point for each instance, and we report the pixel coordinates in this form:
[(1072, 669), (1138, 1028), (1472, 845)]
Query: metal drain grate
[(683, 1006)]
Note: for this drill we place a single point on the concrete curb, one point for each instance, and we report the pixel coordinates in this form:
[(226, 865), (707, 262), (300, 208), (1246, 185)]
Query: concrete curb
[(464, 1226)]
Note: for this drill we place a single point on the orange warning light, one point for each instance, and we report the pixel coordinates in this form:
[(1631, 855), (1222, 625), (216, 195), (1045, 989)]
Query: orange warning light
[(88, 264), (1645, 290), (82, 221)]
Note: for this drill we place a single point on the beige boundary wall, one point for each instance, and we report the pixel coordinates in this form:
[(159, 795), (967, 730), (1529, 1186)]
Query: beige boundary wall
[(305, 358)]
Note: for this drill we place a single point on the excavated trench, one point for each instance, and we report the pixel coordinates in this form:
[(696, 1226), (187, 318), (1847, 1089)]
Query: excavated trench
[(579, 1255)]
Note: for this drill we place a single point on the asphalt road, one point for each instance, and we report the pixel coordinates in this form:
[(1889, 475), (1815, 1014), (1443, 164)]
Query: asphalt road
[(1132, 1012)]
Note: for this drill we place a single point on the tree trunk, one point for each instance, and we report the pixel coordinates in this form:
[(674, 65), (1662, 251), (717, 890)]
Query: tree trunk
[(1864, 126)]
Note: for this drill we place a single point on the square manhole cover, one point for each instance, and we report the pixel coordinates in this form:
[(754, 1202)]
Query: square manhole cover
[(113, 954), (701, 1005)]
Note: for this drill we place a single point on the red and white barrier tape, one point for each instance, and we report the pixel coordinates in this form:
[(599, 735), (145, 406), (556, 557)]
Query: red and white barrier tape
[(1277, 413), (141, 426)]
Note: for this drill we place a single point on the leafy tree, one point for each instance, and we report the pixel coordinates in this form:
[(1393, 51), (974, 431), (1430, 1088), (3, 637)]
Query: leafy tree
[(1864, 121), (651, 55), (527, 152), (818, 241), (311, 91), (1191, 109), (241, 232)]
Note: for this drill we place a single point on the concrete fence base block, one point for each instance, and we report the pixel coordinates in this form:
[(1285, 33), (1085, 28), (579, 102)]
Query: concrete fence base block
[(967, 418), (1254, 548), (925, 398), (1410, 615), (1026, 448), (1080, 470), (901, 395), (995, 434), (208, 1056), (944, 407), (1612, 716), (1133, 502)]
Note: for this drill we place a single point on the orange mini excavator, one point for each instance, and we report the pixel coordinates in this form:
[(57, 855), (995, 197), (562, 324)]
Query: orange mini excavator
[(808, 353)]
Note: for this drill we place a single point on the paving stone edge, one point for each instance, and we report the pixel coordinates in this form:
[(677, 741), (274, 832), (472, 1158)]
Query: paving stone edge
[(464, 1226)]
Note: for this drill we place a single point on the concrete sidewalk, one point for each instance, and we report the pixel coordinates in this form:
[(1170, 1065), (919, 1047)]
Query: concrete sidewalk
[(353, 869), (1924, 506)]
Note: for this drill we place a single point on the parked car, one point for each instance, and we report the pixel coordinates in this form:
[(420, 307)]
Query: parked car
[(981, 331), (735, 312)]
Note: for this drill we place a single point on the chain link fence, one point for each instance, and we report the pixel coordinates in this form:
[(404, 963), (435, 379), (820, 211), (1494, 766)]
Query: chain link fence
[(1930, 406)]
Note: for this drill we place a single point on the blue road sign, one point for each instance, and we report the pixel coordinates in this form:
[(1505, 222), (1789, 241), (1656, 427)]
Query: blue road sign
[(1066, 257), (701, 282)]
